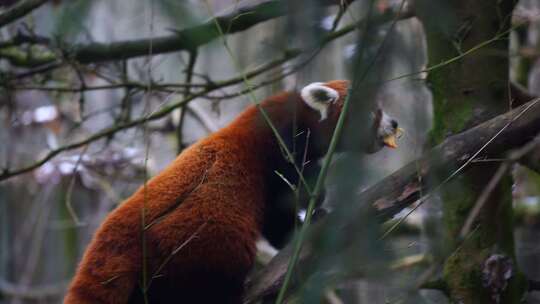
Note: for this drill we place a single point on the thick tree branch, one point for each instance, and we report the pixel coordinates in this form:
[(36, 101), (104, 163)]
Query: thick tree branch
[(183, 40), (405, 186), (186, 39), (19, 10)]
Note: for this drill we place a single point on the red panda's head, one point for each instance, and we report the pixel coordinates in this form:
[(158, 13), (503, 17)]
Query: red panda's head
[(326, 101)]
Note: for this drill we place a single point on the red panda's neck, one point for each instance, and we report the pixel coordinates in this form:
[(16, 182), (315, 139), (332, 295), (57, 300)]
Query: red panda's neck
[(284, 111)]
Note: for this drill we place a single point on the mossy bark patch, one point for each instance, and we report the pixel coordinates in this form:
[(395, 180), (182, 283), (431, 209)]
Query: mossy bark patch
[(468, 91)]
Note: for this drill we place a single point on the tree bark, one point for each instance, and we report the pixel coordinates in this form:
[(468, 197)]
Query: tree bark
[(19, 10), (467, 92)]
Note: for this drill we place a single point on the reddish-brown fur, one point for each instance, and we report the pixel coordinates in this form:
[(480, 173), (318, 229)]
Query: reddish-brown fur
[(202, 215)]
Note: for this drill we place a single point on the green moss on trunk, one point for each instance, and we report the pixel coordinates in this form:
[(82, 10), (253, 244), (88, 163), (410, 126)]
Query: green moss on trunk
[(465, 93)]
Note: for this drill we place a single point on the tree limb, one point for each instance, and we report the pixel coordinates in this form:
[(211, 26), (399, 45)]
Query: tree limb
[(405, 186), (19, 10), (186, 39)]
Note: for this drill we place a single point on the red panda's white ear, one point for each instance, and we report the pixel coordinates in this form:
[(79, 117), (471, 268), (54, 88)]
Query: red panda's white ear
[(319, 97)]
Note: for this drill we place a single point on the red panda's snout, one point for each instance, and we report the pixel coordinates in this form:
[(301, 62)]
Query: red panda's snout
[(386, 129)]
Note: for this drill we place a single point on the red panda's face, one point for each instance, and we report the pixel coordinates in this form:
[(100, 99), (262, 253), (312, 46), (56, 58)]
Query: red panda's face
[(326, 100)]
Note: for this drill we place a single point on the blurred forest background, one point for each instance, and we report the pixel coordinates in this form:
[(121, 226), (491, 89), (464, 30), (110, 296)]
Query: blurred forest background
[(96, 96)]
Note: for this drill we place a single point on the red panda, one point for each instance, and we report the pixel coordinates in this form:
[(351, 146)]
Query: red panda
[(189, 234)]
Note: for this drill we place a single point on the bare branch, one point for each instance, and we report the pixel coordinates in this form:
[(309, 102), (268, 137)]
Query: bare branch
[(19, 10), (192, 37), (186, 39), (7, 173)]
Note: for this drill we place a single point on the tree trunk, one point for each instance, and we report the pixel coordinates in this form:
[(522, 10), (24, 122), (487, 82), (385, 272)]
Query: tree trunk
[(465, 93)]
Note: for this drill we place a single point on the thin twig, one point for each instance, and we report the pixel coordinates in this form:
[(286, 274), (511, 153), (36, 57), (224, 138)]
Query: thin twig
[(494, 181), (192, 54), (69, 192), (146, 139), (482, 199)]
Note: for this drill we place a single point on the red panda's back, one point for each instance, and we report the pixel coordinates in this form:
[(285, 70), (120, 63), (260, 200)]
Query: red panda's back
[(202, 217), (207, 242)]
